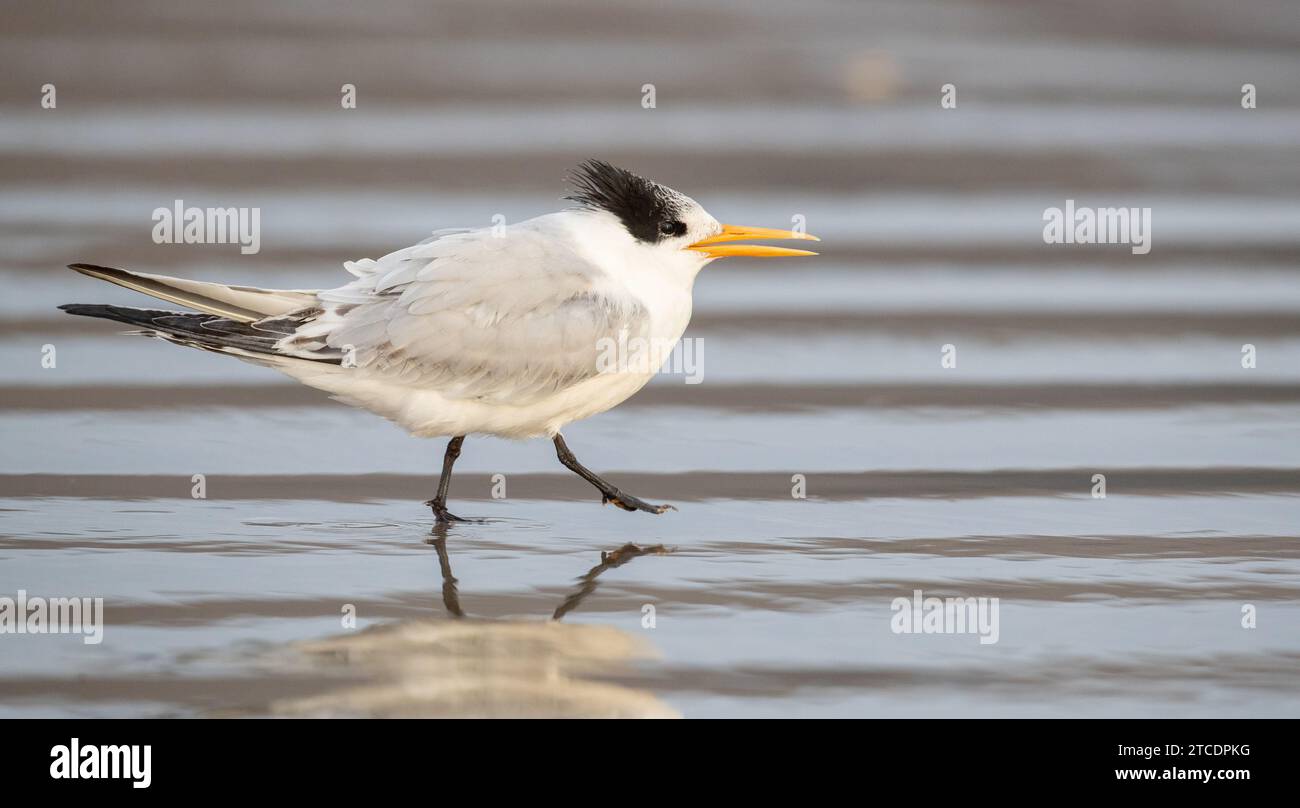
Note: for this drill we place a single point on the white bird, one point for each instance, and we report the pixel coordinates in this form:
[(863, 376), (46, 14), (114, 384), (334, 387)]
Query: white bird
[(493, 331)]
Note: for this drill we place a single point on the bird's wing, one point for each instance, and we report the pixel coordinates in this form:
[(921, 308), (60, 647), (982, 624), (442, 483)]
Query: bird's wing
[(244, 304), (509, 316)]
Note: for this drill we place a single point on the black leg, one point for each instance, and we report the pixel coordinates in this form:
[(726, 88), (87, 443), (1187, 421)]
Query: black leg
[(608, 492), (439, 502)]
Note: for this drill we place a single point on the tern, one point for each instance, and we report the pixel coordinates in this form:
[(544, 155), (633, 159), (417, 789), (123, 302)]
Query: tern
[(488, 331)]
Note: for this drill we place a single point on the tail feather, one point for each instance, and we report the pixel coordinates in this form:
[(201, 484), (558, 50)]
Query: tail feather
[(241, 303), (207, 331)]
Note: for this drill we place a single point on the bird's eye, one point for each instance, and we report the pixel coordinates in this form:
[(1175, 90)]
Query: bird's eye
[(672, 228)]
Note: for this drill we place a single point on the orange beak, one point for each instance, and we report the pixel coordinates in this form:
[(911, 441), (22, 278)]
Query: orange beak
[(714, 246)]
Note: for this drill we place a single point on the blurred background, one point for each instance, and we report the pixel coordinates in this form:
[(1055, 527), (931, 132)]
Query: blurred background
[(974, 480)]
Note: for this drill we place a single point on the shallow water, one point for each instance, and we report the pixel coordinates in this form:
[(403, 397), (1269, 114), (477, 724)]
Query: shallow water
[(1116, 607), (825, 465)]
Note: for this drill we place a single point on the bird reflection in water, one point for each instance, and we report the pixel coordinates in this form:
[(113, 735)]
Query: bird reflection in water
[(480, 667), (589, 581)]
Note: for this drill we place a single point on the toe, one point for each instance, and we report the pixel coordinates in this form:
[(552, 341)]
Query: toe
[(444, 515)]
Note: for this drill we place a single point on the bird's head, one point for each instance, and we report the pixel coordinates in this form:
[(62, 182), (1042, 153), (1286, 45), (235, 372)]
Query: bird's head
[(672, 224)]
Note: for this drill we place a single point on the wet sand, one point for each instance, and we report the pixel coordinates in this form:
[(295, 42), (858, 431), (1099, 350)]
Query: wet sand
[(683, 486), (1093, 620), (765, 398), (825, 464)]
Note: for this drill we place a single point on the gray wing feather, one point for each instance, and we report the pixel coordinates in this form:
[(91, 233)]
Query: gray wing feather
[(511, 318)]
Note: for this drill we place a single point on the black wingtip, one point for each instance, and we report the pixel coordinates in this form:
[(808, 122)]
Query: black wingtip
[(92, 268), (121, 314), (85, 309)]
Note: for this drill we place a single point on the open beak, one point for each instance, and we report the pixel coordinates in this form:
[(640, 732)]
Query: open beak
[(715, 246)]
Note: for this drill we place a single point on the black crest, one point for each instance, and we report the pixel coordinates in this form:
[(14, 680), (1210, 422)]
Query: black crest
[(647, 209)]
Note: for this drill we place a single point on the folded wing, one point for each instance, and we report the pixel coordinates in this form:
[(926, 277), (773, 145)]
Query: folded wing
[(508, 317)]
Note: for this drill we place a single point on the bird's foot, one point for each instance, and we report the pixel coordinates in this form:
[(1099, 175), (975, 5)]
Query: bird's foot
[(630, 503), (441, 514)]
